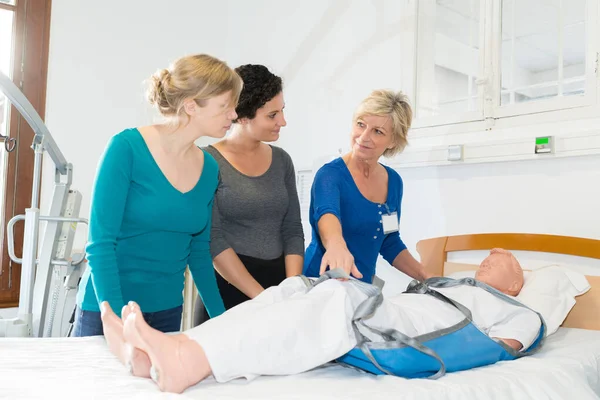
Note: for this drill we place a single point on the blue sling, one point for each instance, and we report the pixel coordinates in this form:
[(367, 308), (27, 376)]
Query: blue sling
[(459, 347)]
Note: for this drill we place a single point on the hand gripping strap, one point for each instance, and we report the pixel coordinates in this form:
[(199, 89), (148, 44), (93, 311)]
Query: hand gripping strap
[(367, 308)]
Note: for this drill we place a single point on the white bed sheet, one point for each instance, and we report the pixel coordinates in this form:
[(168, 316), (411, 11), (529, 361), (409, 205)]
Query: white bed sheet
[(567, 368)]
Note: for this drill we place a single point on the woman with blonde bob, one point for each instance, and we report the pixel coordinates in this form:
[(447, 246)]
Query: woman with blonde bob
[(152, 201), (356, 201)]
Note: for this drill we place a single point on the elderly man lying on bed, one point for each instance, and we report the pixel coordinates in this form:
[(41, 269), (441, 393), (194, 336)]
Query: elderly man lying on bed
[(293, 327)]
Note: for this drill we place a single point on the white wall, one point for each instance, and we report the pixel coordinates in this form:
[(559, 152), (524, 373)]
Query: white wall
[(330, 54), (101, 53), (546, 196)]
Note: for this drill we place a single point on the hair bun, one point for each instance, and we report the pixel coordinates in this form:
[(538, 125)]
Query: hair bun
[(158, 86), (198, 77)]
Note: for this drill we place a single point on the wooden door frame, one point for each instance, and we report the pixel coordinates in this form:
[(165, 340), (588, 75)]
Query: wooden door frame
[(30, 73)]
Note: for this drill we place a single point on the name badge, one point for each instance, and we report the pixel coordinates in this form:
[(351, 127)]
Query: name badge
[(390, 223)]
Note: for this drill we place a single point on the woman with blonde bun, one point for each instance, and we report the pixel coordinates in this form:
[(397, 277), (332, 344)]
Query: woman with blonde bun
[(152, 201)]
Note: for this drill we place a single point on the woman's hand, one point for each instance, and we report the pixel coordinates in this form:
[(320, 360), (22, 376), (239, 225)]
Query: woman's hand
[(426, 274), (337, 255)]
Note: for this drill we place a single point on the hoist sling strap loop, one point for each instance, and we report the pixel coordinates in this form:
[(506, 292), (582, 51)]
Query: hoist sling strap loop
[(367, 308), (443, 282), (396, 339)]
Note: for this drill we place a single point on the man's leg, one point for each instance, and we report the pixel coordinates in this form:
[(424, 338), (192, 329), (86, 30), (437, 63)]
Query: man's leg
[(177, 361), (285, 330), (135, 359)]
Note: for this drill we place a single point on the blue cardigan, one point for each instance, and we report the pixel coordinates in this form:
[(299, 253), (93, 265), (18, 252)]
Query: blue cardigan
[(335, 192)]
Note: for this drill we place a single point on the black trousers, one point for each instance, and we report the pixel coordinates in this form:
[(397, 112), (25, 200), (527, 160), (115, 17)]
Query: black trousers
[(266, 272)]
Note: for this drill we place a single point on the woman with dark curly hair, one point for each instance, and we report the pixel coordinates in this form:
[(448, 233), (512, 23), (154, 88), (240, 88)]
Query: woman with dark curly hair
[(256, 239)]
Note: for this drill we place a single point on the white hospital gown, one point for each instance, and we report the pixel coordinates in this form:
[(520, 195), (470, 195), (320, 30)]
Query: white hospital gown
[(288, 329)]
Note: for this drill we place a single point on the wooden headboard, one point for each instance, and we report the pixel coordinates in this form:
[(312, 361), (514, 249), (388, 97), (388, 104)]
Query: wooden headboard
[(586, 312)]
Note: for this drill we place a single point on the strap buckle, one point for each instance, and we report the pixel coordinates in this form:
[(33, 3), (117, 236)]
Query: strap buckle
[(417, 287), (469, 281)]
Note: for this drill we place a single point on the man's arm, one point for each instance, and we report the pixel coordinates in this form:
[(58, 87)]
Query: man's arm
[(518, 330), (515, 344)]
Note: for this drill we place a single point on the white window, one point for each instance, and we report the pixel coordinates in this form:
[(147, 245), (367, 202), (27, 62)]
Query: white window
[(490, 59), (449, 61)]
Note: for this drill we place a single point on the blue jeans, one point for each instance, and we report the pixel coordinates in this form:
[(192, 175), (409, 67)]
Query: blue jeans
[(89, 323)]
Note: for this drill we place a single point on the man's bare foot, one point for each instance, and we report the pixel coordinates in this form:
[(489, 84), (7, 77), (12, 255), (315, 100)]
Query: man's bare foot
[(127, 308), (135, 359), (178, 363)]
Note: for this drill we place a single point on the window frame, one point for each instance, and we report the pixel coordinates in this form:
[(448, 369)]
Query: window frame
[(468, 116), (29, 72), (554, 103), (489, 90)]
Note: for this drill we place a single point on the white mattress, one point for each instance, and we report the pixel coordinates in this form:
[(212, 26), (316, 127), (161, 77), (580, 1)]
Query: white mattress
[(567, 368)]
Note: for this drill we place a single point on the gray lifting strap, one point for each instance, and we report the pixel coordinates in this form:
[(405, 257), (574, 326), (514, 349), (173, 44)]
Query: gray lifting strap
[(397, 339), (374, 299), (444, 282)]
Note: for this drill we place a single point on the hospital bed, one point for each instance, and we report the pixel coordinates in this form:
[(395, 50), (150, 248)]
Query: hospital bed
[(567, 367)]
